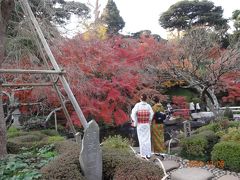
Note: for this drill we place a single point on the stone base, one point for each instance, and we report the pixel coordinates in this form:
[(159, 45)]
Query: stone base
[(170, 165), (228, 177), (191, 174)]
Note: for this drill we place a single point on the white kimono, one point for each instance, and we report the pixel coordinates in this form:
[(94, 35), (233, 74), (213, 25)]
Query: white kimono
[(191, 106), (143, 130)]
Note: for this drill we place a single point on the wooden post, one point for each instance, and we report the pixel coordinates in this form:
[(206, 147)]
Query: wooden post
[(55, 119), (27, 71), (3, 128), (55, 65), (54, 82), (26, 84)]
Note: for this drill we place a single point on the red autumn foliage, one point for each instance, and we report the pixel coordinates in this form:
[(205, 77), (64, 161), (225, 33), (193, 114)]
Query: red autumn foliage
[(106, 76), (180, 102), (230, 85)]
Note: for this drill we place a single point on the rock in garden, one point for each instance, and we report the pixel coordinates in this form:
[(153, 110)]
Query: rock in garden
[(191, 174)]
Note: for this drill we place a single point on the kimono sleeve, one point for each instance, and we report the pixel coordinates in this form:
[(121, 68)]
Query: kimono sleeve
[(134, 114)]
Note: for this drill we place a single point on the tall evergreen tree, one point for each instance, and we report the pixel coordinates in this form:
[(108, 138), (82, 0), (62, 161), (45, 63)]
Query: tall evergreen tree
[(112, 18), (236, 18), (186, 14), (235, 37)]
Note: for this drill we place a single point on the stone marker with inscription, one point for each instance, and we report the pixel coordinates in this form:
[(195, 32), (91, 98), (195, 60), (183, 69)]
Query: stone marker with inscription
[(91, 153), (187, 128)]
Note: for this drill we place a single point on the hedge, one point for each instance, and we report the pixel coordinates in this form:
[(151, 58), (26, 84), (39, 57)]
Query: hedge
[(199, 146), (229, 152)]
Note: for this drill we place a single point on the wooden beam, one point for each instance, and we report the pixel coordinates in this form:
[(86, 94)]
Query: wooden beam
[(48, 51), (26, 84), (26, 71)]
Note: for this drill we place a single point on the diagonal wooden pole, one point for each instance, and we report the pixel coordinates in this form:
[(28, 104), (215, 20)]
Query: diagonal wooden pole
[(55, 65), (54, 82)]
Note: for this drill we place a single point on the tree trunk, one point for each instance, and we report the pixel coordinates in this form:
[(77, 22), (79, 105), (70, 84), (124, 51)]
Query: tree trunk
[(6, 7), (212, 101), (3, 137)]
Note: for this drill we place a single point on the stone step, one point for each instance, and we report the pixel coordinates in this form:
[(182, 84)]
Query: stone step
[(228, 177), (191, 174), (168, 165)]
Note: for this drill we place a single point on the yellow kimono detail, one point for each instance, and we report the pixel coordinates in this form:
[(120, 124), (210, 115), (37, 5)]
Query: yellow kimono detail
[(157, 132)]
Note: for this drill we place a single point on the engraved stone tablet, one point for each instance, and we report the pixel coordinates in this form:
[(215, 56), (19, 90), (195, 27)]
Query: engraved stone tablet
[(91, 153), (187, 128)]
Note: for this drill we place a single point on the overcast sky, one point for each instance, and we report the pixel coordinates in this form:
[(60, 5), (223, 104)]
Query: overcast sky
[(144, 14)]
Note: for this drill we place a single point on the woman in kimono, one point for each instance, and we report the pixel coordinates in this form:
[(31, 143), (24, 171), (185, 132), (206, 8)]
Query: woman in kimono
[(142, 115), (157, 127)]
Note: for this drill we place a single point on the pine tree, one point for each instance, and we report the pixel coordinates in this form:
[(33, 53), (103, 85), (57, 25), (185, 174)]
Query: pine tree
[(112, 18)]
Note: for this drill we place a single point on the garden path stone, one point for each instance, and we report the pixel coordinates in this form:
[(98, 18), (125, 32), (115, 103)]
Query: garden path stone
[(228, 177), (191, 174), (170, 165)]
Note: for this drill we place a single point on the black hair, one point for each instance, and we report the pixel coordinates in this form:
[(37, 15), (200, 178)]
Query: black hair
[(143, 97), (156, 99)]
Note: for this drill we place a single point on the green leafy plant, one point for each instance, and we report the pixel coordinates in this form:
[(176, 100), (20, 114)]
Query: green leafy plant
[(199, 146), (26, 165), (212, 138), (116, 142), (194, 147), (233, 134), (229, 153), (50, 132), (212, 127), (53, 139), (219, 125), (14, 132)]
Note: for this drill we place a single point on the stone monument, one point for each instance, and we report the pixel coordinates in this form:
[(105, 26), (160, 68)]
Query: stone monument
[(91, 153), (187, 128)]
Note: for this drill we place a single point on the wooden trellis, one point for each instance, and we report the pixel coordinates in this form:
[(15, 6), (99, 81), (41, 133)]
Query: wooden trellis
[(47, 56)]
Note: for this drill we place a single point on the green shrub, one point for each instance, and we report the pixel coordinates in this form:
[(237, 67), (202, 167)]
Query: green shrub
[(200, 145), (220, 125), (233, 134), (65, 146), (31, 139), (116, 142), (28, 138), (212, 127), (220, 133), (212, 139), (49, 132), (65, 166), (229, 152), (123, 164), (14, 132), (194, 147), (234, 124), (54, 139)]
